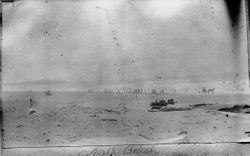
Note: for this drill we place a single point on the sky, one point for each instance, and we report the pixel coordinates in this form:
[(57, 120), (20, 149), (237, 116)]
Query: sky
[(115, 42)]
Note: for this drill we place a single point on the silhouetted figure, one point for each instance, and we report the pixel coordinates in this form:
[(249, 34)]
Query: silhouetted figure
[(31, 103)]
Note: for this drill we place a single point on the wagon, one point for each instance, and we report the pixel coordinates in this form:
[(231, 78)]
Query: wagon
[(161, 103)]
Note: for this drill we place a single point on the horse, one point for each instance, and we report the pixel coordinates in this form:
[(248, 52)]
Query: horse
[(211, 90)]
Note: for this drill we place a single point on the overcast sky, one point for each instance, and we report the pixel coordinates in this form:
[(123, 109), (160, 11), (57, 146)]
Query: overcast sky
[(120, 41)]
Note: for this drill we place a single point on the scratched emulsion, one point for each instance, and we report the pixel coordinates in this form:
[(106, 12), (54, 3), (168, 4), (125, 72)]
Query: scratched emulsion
[(87, 72)]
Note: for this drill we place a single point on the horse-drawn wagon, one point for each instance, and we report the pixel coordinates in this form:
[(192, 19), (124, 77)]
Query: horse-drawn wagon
[(156, 105)]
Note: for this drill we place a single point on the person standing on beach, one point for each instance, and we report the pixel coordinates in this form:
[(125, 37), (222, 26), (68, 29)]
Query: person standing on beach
[(30, 103)]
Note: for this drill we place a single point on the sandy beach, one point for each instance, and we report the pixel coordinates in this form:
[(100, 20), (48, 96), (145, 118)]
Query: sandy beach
[(81, 118)]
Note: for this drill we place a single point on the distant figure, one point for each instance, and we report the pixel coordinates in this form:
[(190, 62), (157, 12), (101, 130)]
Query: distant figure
[(174, 91), (211, 90), (31, 109), (31, 103), (90, 90), (48, 93), (204, 90)]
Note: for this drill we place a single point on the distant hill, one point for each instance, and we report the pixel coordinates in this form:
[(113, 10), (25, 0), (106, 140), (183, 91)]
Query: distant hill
[(39, 82)]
